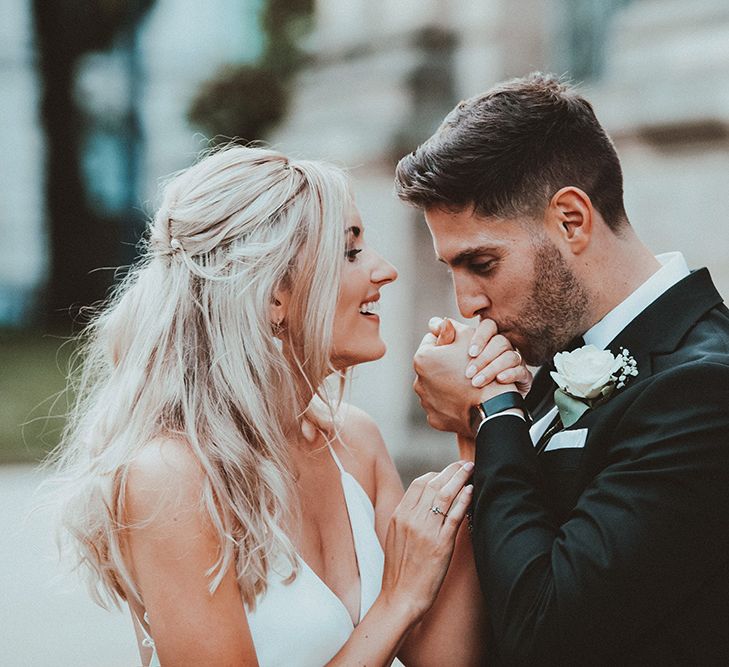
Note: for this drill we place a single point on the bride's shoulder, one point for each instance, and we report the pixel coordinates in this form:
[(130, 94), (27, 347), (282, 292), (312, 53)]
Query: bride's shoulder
[(164, 474), (359, 430), (362, 449)]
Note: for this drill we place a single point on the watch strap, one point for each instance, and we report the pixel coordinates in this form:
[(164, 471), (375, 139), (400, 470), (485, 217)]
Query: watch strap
[(506, 401)]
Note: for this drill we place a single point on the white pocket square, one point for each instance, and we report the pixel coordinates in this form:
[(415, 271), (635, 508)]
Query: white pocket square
[(567, 440)]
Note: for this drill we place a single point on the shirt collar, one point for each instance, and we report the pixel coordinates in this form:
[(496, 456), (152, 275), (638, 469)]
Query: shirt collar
[(673, 269)]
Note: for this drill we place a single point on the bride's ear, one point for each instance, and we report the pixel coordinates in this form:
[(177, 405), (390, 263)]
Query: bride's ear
[(279, 307)]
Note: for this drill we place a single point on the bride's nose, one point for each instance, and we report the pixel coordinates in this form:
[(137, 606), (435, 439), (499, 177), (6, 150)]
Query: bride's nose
[(383, 272)]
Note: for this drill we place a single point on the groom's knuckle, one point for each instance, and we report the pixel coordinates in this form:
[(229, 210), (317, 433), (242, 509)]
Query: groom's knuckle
[(421, 354)]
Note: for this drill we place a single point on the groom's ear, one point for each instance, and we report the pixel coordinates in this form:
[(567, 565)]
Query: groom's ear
[(570, 217)]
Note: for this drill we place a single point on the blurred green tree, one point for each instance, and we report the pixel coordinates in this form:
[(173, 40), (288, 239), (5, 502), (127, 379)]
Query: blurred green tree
[(246, 101), (80, 239)]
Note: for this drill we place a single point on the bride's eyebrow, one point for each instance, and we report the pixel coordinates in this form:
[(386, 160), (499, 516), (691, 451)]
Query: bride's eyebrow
[(469, 254)]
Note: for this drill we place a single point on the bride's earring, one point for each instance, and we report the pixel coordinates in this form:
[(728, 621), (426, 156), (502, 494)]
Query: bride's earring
[(278, 317), (277, 329)]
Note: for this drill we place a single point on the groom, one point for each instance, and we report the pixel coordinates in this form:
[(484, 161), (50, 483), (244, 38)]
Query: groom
[(600, 530)]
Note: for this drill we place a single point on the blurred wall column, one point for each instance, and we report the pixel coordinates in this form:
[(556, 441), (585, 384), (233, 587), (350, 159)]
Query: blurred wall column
[(665, 100), (23, 243)]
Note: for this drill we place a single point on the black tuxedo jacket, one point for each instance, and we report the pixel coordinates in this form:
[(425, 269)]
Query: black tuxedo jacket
[(618, 553)]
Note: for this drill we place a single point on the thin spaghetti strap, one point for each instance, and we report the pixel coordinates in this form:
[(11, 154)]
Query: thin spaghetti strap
[(147, 642), (336, 459)]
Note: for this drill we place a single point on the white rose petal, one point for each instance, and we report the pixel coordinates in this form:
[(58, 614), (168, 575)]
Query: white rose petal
[(584, 372)]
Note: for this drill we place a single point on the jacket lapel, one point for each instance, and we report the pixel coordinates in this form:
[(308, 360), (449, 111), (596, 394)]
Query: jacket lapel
[(663, 324), (541, 394)]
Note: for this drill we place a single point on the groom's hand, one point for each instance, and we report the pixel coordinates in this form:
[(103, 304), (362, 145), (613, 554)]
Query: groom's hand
[(494, 358), (446, 394)]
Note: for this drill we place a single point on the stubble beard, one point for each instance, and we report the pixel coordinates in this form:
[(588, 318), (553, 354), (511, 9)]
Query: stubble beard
[(555, 310)]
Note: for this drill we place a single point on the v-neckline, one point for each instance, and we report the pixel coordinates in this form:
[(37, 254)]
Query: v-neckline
[(357, 560)]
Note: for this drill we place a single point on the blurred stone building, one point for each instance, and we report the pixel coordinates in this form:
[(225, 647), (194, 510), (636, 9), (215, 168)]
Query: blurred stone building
[(384, 73)]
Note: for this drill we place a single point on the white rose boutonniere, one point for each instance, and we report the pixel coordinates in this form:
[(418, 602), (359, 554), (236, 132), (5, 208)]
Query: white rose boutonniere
[(587, 377)]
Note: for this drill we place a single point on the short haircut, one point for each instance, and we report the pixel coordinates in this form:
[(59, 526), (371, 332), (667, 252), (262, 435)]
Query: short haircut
[(507, 151)]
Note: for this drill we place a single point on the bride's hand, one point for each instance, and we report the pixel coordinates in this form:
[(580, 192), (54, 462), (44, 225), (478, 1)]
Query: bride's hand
[(493, 357), (420, 540)]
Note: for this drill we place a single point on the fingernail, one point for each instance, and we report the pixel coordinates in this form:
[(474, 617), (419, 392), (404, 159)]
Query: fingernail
[(468, 466), (501, 376), (434, 321), (478, 380), (468, 489), (471, 371), (473, 350)]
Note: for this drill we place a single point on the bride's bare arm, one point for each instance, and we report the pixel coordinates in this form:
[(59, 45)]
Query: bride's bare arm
[(169, 552), (452, 631), (418, 548)]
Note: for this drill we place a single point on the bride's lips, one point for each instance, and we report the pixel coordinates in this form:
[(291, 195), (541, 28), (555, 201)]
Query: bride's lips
[(370, 307)]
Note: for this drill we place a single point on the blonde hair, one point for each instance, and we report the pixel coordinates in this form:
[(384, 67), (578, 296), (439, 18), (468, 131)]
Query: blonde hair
[(186, 347)]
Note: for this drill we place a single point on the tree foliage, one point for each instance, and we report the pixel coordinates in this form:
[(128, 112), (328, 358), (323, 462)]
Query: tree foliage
[(246, 101)]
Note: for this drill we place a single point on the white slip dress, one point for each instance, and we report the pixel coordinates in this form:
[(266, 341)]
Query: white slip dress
[(304, 624)]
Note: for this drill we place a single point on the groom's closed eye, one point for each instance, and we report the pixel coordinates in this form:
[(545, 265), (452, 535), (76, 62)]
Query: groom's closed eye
[(479, 258), (482, 267)]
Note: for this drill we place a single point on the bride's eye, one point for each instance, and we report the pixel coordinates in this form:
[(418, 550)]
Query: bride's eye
[(352, 254)]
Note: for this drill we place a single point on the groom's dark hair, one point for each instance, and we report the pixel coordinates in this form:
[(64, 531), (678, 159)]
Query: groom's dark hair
[(507, 151)]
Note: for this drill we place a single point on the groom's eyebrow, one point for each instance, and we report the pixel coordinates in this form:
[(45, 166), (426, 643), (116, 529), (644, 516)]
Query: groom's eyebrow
[(467, 255)]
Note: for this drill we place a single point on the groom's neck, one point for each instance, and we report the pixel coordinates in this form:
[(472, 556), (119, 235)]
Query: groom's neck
[(618, 265)]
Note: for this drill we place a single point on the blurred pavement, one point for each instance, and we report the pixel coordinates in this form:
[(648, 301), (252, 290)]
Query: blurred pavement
[(46, 617)]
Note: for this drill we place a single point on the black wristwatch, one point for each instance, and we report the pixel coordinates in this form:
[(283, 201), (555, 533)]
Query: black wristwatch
[(505, 401)]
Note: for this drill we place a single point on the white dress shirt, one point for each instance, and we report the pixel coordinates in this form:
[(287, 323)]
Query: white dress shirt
[(673, 269)]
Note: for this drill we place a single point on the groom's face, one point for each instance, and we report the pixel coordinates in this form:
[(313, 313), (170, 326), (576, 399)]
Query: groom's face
[(511, 272)]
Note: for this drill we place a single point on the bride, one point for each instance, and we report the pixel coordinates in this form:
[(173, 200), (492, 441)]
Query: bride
[(196, 491)]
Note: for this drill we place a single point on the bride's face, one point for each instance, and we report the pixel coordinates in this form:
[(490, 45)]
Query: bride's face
[(356, 337)]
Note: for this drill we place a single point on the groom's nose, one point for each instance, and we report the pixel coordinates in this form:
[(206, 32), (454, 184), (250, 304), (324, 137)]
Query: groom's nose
[(471, 300)]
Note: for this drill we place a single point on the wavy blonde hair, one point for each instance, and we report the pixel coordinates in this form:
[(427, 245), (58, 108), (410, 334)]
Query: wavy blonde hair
[(186, 347)]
